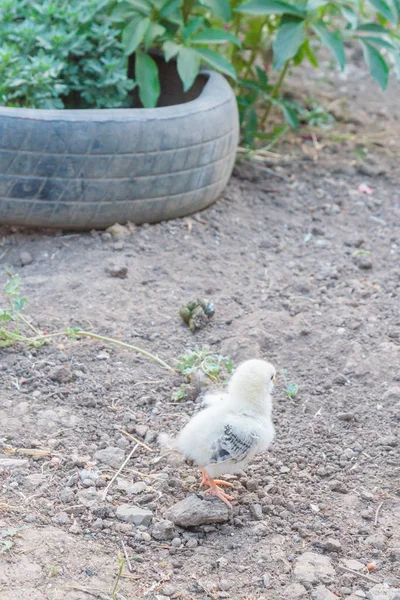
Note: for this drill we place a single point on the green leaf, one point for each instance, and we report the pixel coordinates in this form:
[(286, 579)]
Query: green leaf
[(290, 36), (188, 66), (171, 49), (12, 286), (221, 8), (215, 36), (154, 31), (350, 15), (310, 54), (216, 61), (332, 41), (314, 4), (146, 75), (193, 25), (5, 316), (168, 8), (122, 11), (290, 115), (19, 303), (262, 77), (141, 6), (376, 63), (384, 9), (377, 41), (133, 34), (270, 7), (373, 28)]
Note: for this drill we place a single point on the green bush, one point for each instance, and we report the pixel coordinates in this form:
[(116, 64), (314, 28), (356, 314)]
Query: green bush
[(61, 53), (56, 54)]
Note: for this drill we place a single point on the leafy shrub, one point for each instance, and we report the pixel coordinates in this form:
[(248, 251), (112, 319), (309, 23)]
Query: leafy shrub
[(55, 53), (58, 53)]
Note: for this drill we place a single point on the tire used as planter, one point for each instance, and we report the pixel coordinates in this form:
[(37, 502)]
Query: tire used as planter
[(84, 169)]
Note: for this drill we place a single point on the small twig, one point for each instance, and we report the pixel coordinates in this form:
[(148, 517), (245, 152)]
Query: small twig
[(128, 562), (119, 471), (377, 514), (367, 577), (124, 345), (132, 437)]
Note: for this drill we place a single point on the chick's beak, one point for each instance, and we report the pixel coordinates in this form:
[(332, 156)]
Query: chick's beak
[(274, 379)]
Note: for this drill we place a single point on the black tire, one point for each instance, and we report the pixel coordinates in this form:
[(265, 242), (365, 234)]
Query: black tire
[(84, 169)]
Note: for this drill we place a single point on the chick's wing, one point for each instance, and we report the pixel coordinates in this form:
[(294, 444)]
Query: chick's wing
[(234, 445)]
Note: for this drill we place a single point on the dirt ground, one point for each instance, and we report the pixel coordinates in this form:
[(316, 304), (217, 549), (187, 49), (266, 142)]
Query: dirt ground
[(303, 269)]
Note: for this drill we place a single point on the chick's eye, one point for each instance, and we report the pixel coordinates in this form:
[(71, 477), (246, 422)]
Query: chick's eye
[(272, 376)]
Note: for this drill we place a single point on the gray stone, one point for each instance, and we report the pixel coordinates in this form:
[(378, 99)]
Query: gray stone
[(354, 565), (134, 514), (313, 568), (392, 393), (266, 581), (345, 416), (14, 463), (359, 594), (330, 545), (111, 456), (34, 480), (377, 540), (256, 511), (383, 592), (61, 374), (89, 497), (338, 486), (194, 511), (163, 530), (86, 474), (137, 488), (387, 440), (322, 593), (363, 261), (117, 270), (25, 258), (295, 591)]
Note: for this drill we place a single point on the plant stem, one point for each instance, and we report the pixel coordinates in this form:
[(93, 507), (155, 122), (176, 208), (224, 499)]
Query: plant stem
[(274, 94), (121, 566), (124, 345), (29, 325), (187, 9)]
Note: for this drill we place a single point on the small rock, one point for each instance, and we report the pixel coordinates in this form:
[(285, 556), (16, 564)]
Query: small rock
[(194, 511), (345, 591), (137, 488), (134, 514), (383, 592), (117, 270), (256, 511), (322, 593), (75, 529), (252, 485), (313, 568), (119, 231), (370, 170), (266, 581), (34, 480), (363, 261), (111, 456), (367, 514), (62, 518), (338, 486), (392, 394), (330, 545), (377, 540), (61, 374), (14, 463), (146, 537), (176, 542), (387, 440), (295, 591), (89, 497), (141, 430), (103, 356), (86, 474), (354, 565), (67, 496), (192, 543), (168, 589), (360, 594), (163, 530), (367, 496), (25, 258), (345, 416)]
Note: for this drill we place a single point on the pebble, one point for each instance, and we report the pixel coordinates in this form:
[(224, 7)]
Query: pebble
[(119, 231), (387, 440), (367, 496), (252, 485), (392, 394), (354, 565), (295, 591), (117, 270), (111, 456), (146, 537), (360, 594), (61, 374), (338, 486), (89, 497), (192, 543), (367, 514), (363, 261), (14, 463), (137, 488), (383, 592), (313, 568), (322, 593), (266, 581), (345, 416), (163, 530), (330, 545), (176, 542), (256, 511), (194, 511), (25, 258), (134, 514)]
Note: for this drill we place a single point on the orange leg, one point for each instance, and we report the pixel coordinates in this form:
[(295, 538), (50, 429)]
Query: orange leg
[(214, 489)]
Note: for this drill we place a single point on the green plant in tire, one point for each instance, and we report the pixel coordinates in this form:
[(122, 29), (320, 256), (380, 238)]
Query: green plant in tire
[(183, 30)]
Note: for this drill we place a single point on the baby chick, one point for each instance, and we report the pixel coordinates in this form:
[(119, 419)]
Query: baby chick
[(235, 426)]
